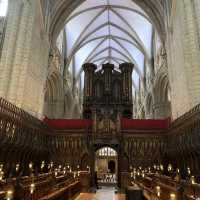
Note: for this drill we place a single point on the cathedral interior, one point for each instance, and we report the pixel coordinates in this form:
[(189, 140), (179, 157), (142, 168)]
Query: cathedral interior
[(99, 99)]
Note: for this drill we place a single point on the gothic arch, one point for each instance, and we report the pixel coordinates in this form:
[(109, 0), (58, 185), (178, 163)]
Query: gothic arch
[(162, 104), (54, 95), (149, 106)]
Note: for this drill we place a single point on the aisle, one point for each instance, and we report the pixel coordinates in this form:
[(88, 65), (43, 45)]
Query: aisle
[(106, 193)]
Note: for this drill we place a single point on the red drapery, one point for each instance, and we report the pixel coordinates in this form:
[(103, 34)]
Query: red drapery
[(126, 124), (62, 124), (144, 124)]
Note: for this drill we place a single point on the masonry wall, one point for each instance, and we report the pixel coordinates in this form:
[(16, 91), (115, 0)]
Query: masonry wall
[(24, 58), (183, 49)]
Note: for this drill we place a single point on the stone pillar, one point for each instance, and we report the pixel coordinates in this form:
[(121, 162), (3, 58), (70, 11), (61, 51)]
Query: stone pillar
[(9, 47), (183, 56), (22, 52)]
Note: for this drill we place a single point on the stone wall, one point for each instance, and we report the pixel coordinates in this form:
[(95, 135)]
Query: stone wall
[(183, 48), (24, 57)]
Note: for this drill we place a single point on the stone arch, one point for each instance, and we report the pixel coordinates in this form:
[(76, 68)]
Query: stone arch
[(162, 104), (54, 96), (149, 107)]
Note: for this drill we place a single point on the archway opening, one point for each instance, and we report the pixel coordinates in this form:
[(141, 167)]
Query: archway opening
[(106, 166)]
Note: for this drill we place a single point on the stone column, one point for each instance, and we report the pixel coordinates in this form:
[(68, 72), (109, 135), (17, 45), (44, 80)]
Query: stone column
[(21, 56), (9, 47)]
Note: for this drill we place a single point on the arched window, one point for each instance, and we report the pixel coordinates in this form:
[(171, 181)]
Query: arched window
[(106, 151)]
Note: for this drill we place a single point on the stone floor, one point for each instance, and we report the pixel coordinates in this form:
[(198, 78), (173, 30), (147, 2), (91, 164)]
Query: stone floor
[(105, 193)]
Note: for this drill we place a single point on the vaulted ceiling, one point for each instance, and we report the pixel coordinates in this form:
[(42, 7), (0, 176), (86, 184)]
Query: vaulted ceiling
[(112, 31), (61, 9)]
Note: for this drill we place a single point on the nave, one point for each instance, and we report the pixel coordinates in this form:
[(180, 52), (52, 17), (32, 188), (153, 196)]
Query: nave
[(106, 193)]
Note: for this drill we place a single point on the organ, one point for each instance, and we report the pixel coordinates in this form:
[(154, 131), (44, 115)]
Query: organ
[(107, 91)]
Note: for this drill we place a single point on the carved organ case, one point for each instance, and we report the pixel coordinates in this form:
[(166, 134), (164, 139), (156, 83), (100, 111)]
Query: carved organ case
[(107, 94)]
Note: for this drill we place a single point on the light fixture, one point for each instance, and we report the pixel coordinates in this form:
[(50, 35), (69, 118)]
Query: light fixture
[(1, 175), (172, 196), (56, 171), (42, 165), (32, 188), (192, 180), (188, 170), (51, 164), (131, 174), (17, 167), (64, 170), (169, 168), (9, 195), (158, 190), (30, 165), (143, 174)]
